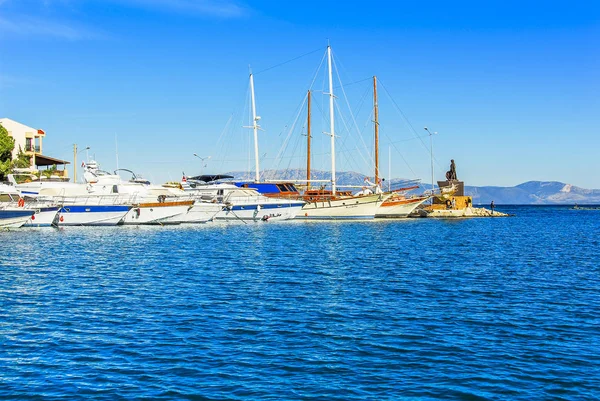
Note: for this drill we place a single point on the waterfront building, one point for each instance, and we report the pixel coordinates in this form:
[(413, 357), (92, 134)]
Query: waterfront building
[(30, 140)]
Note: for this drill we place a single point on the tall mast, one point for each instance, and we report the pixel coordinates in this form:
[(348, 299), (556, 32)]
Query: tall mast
[(389, 168), (255, 129), (331, 122), (308, 144), (376, 114)]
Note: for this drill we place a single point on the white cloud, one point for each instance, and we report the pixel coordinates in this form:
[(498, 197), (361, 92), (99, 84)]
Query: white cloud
[(211, 8), (20, 25), (25, 23), (215, 8)]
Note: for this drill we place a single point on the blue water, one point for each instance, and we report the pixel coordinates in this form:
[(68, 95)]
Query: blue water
[(496, 309)]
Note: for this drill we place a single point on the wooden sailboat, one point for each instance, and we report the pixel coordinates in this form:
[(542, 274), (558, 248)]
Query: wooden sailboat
[(334, 204), (276, 189), (397, 204)]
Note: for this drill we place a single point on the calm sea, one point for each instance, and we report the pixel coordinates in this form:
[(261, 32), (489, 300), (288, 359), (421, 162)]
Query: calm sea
[(480, 309)]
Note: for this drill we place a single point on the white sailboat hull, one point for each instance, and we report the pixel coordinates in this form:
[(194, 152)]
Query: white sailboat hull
[(399, 208), (359, 207)]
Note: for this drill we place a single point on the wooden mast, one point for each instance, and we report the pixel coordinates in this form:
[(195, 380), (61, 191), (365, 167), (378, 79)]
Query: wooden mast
[(376, 115), (308, 145)]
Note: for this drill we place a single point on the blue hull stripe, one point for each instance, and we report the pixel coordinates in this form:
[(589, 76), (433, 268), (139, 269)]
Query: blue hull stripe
[(49, 209), (94, 209), (368, 217), (11, 214), (264, 207)]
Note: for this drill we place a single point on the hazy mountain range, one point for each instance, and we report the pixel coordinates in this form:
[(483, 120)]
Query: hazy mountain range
[(527, 193)]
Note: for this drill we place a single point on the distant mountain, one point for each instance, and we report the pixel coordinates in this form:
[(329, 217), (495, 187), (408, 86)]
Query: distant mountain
[(535, 193), (342, 177), (528, 193)]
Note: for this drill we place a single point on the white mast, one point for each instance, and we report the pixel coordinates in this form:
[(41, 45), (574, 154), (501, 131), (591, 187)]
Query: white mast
[(431, 134), (331, 122), (117, 150), (255, 128), (389, 168)]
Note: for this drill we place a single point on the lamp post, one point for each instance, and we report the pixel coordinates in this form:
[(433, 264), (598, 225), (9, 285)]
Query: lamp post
[(75, 153), (202, 165), (431, 134)]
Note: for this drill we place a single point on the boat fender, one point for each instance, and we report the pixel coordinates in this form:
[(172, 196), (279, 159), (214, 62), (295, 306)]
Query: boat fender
[(89, 187), (448, 203), (21, 202), (265, 218), (137, 212), (61, 219)]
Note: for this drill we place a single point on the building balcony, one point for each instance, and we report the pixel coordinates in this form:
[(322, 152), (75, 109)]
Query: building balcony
[(32, 149)]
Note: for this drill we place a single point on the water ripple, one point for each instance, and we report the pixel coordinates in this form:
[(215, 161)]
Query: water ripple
[(483, 309)]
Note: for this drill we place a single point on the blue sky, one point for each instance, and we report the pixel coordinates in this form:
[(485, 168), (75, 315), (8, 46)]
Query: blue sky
[(510, 87)]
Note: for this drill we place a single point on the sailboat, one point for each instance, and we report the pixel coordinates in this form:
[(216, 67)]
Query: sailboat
[(397, 204), (245, 201), (334, 204), (278, 189)]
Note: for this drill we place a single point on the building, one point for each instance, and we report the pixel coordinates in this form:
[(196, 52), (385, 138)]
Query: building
[(30, 140)]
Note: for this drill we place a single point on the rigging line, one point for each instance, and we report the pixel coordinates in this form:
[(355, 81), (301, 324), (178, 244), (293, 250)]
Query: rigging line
[(288, 61), (290, 127), (285, 145), (402, 113), (316, 74), (287, 129), (361, 153), (400, 140), (224, 129), (405, 161), (349, 108), (296, 144), (393, 144), (359, 108), (407, 121), (298, 137), (352, 83)]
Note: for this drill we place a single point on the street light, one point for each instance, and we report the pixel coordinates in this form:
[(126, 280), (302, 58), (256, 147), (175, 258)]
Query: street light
[(431, 134), (75, 153), (202, 164)]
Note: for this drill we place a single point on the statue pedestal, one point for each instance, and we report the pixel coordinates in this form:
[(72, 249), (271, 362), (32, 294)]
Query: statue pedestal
[(460, 186)]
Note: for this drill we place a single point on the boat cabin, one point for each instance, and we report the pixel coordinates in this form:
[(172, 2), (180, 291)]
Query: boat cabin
[(311, 195), (272, 189)]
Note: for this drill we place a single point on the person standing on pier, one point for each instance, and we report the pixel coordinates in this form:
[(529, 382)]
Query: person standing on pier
[(492, 206)]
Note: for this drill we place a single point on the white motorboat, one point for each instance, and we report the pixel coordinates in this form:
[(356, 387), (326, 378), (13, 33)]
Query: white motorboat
[(42, 213), (151, 204), (199, 212), (93, 210), (240, 203)]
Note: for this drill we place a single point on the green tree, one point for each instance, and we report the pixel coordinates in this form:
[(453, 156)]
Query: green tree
[(22, 160), (50, 171), (7, 144)]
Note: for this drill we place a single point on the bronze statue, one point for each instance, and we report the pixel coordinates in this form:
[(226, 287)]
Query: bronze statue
[(451, 174)]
